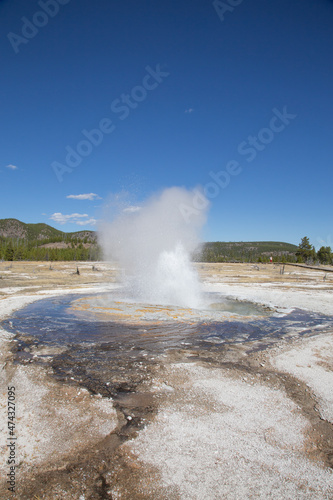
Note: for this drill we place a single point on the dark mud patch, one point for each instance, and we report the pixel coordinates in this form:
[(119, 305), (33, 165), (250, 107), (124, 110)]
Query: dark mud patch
[(94, 472), (103, 476), (107, 471)]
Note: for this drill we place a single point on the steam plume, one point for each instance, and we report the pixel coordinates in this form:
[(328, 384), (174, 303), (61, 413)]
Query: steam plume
[(152, 244)]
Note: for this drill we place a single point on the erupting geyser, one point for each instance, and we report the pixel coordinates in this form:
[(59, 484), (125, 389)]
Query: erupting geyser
[(153, 244)]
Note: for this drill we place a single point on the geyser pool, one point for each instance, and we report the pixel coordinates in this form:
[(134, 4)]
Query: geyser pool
[(108, 343), (113, 318), (153, 244)]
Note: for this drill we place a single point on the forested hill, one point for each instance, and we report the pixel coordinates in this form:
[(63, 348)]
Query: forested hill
[(249, 251), (17, 230), (20, 241)]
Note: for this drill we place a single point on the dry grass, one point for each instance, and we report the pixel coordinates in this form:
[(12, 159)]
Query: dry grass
[(27, 277)]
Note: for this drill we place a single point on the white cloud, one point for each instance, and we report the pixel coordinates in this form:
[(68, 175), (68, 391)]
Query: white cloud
[(72, 218), (189, 110), (131, 209), (89, 222), (78, 219), (12, 167), (88, 196)]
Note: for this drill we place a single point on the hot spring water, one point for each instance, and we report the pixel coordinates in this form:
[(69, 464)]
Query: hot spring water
[(109, 343)]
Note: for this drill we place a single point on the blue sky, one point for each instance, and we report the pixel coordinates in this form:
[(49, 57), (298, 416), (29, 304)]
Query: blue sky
[(173, 91)]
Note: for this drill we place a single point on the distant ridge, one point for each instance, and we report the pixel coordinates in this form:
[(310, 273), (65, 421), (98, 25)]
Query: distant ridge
[(15, 229), (20, 241), (245, 251), (44, 242)]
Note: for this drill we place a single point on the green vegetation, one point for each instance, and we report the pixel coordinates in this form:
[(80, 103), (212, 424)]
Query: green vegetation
[(21, 251), (262, 251), (251, 251), (305, 251), (20, 241), (325, 255)]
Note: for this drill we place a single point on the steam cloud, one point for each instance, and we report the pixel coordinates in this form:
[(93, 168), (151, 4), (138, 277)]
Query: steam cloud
[(152, 244)]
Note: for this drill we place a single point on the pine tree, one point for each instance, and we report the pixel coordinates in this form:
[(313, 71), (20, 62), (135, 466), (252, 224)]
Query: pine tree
[(9, 252), (325, 255), (306, 251)]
